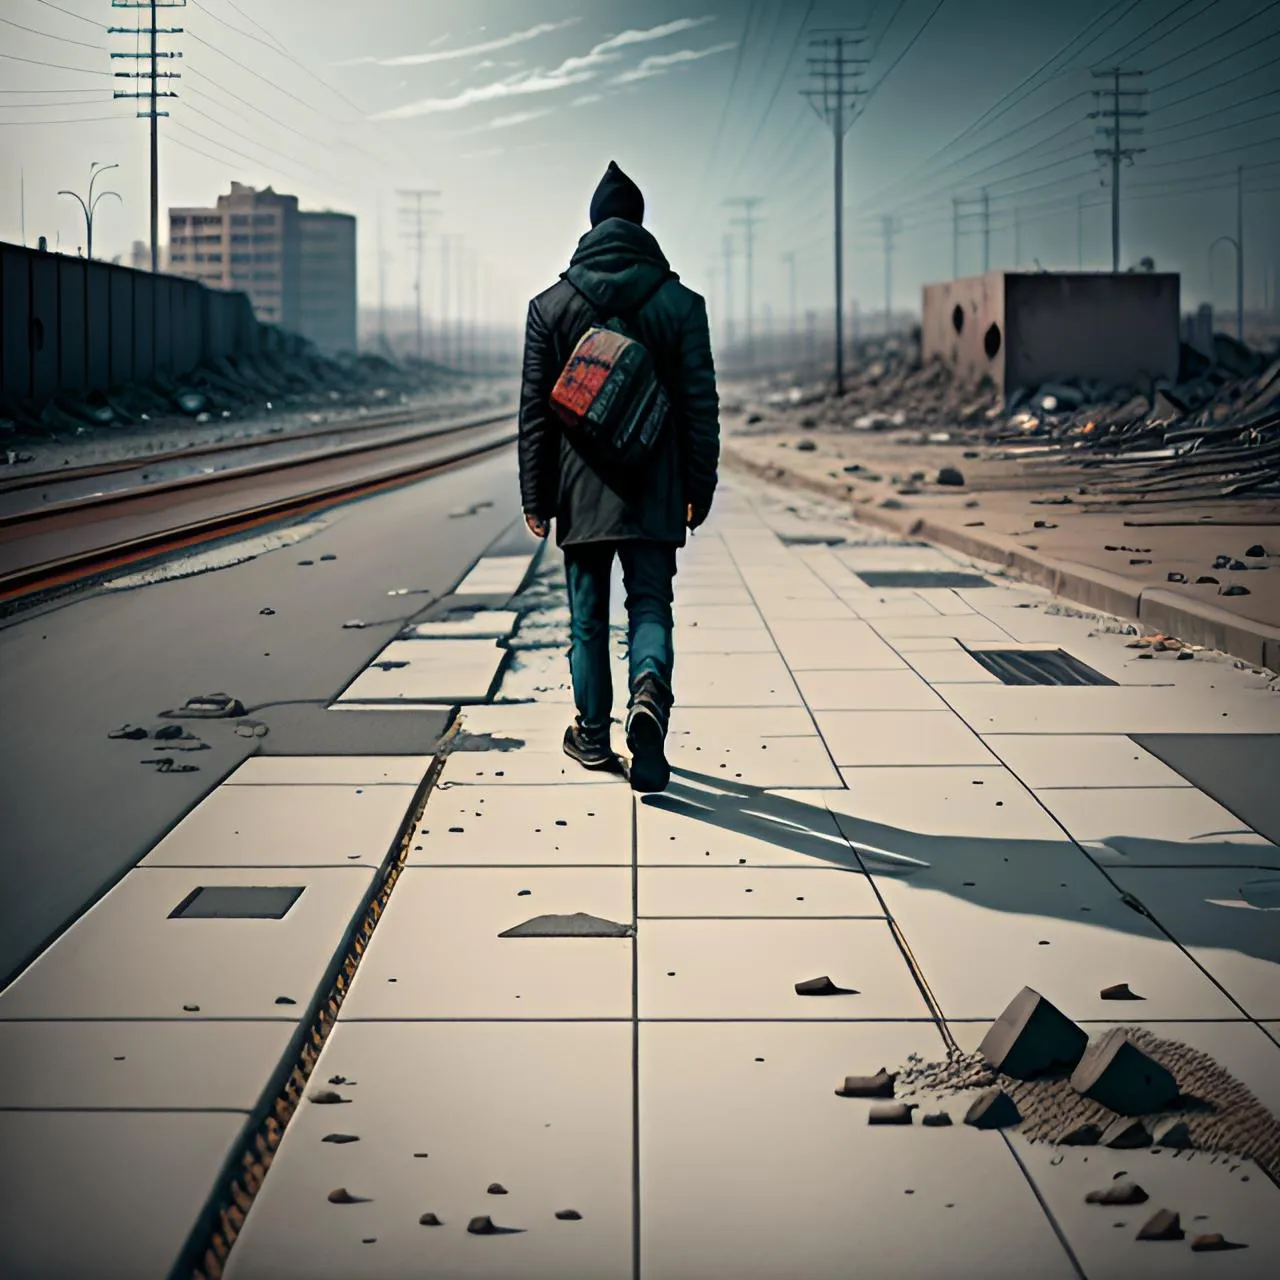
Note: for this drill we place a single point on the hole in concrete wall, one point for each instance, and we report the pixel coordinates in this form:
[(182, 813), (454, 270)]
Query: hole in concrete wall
[(237, 902), (991, 340), (957, 318), (37, 334)]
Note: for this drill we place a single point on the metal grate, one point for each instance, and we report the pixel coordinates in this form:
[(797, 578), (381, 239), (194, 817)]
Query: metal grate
[(920, 579), (1037, 666), (237, 902)]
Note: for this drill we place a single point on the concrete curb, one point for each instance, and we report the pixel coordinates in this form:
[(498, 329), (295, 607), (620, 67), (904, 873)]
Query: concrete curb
[(1158, 610)]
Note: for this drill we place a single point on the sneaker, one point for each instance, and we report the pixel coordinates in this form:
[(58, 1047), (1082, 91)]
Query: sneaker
[(590, 750), (646, 734)]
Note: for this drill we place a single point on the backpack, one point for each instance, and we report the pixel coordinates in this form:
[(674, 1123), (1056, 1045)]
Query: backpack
[(608, 395)]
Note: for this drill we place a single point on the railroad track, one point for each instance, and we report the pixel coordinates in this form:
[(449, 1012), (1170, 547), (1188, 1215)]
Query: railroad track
[(54, 531)]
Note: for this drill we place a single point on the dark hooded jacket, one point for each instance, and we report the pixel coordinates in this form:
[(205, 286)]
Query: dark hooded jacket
[(616, 266)]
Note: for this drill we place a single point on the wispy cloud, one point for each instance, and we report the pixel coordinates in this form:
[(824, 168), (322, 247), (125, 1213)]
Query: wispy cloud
[(508, 122), (467, 51), (573, 70), (483, 154), (585, 99), (659, 63)]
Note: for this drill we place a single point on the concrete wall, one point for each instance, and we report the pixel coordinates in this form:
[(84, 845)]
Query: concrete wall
[(327, 287), (1051, 326), (67, 324)]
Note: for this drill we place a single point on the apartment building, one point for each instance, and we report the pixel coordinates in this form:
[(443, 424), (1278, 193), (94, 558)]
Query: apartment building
[(298, 268)]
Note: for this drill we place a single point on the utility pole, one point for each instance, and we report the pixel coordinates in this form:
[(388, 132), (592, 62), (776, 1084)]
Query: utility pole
[(91, 204), (726, 248), (459, 280), (887, 227), (1080, 231), (1240, 254), (1017, 238), (382, 290), (986, 232), (417, 231), (152, 92), (955, 237), (790, 259), (1116, 134), (748, 223), (835, 75)]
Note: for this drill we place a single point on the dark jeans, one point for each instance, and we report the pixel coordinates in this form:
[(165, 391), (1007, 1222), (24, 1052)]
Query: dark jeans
[(647, 572)]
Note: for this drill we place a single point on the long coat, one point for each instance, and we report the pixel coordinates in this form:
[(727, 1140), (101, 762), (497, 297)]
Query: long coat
[(615, 266)]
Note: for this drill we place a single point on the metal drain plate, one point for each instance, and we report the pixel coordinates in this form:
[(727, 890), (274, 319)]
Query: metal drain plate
[(1037, 666), (237, 902), (920, 579)]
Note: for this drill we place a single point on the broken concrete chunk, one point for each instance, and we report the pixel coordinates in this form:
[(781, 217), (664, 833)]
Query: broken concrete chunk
[(1083, 1135), (879, 1085), (429, 1220), (822, 987), (342, 1196), (1235, 589), (496, 1189), (568, 1215), (1256, 552), (340, 1138), (1172, 1132), (481, 1225), (889, 1113), (993, 1109), (1164, 1224), (1120, 991), (1125, 1192), (577, 925), (950, 476), (1032, 1037), (1213, 1242), (1117, 1074), (806, 446), (1125, 1134), (327, 1097), (935, 1120), (131, 731)]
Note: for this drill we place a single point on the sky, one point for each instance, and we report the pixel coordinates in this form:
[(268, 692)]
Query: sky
[(511, 109)]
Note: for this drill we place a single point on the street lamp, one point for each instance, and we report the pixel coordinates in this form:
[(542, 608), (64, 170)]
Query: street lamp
[(95, 172)]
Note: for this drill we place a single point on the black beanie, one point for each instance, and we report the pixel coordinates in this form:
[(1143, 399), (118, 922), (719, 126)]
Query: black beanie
[(616, 197)]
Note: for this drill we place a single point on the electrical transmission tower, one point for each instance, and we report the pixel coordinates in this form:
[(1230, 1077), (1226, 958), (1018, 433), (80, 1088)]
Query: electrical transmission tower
[(152, 92), (416, 231), (1117, 134), (888, 225), (835, 98), (748, 223)]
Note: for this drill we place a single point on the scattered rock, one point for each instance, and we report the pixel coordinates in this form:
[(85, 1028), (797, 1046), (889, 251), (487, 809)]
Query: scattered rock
[(342, 1196), (577, 925), (1185, 655), (352, 624), (208, 706), (131, 731), (327, 1097), (483, 1225), (251, 729), (168, 764), (879, 1085), (429, 1220), (1044, 524), (891, 504), (822, 987), (1164, 1224), (950, 476), (1032, 1037), (340, 1138), (1235, 589), (935, 1120), (1256, 552), (889, 1113), (1125, 1134), (1221, 562), (167, 732), (390, 664), (285, 1000), (191, 1008), (1117, 1074), (1175, 576), (267, 612), (806, 446), (993, 1109), (1120, 991), (328, 555), (1237, 566), (568, 1215), (1125, 1192), (496, 1189), (1083, 1135), (1173, 1133), (1213, 1242), (306, 562)]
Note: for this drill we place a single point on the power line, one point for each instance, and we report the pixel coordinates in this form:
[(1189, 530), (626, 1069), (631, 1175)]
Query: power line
[(871, 93), (57, 66), (1226, 57), (262, 146), (48, 35), (79, 17), (1226, 128), (1124, 48), (1199, 47), (1208, 115), (76, 120)]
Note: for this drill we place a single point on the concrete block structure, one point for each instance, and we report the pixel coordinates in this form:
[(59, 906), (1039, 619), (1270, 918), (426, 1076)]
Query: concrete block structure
[(1026, 329), (327, 284)]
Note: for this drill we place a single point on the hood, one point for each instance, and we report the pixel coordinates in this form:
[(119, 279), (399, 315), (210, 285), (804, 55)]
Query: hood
[(616, 263)]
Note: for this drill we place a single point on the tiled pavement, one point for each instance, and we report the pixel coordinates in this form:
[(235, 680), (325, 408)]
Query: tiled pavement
[(854, 795)]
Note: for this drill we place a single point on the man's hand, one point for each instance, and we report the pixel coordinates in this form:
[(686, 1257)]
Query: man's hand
[(693, 518), (538, 527)]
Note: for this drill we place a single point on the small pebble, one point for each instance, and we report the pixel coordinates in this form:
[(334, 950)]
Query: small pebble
[(429, 1220), (568, 1215)]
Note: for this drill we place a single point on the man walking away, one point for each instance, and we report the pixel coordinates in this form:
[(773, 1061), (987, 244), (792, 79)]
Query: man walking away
[(619, 274)]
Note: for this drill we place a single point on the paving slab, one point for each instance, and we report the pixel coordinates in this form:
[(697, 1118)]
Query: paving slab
[(436, 953), (900, 738), (687, 827), (1156, 826), (110, 1194), (157, 1066), (761, 762), (897, 1201), (732, 724), (495, 575), (867, 691), (887, 604), (1087, 760), (716, 615), (980, 939), (524, 825), (1207, 1197), (350, 771), (912, 557), (951, 665), (533, 725), (432, 671), (734, 680), (748, 969), (690, 640), (948, 601), (521, 767), (834, 645), (223, 968), (692, 594), (288, 826), (1226, 918), (438, 1121), (734, 891), (486, 624), (969, 626), (1111, 709)]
